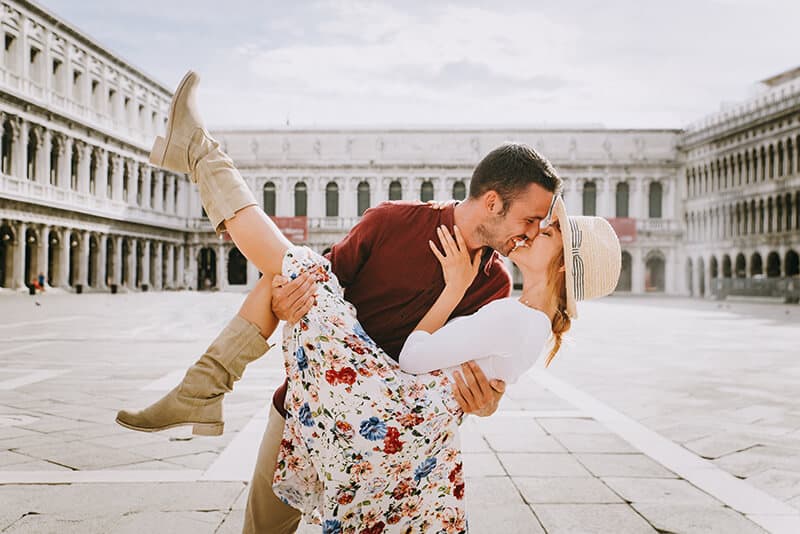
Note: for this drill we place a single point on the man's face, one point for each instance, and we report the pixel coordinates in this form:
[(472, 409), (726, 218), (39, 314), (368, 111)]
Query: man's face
[(521, 220)]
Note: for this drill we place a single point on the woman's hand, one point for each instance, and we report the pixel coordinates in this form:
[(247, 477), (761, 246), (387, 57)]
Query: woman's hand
[(458, 267)]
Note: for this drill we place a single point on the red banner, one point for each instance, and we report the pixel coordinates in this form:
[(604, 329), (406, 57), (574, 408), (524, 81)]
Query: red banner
[(294, 228), (625, 227)]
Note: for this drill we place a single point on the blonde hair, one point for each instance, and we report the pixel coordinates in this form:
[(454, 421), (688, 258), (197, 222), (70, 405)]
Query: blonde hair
[(561, 321)]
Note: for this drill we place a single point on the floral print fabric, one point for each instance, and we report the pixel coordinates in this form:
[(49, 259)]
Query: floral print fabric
[(367, 448)]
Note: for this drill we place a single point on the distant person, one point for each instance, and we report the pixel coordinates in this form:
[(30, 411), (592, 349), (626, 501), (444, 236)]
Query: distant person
[(41, 281)]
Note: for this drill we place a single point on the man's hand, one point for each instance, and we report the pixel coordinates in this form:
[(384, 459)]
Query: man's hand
[(291, 300), (475, 393), (440, 205)]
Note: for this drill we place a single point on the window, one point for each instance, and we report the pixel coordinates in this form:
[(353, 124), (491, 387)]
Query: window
[(77, 86), (623, 191), (112, 94), (35, 66), (269, 198), (55, 148), (590, 198), (656, 192), (332, 200), (33, 149), (300, 200), (363, 198), (395, 191), (73, 169), (11, 52), (459, 190), (58, 76), (426, 191)]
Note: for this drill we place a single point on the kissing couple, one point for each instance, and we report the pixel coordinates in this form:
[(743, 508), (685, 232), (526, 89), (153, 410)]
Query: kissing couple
[(390, 339)]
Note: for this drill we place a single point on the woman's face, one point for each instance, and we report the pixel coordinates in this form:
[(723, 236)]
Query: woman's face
[(537, 255)]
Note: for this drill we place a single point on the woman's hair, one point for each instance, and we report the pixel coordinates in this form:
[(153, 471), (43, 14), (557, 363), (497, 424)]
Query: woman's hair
[(561, 321)]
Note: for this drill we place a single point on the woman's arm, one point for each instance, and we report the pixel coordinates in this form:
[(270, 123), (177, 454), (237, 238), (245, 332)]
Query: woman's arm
[(459, 271)]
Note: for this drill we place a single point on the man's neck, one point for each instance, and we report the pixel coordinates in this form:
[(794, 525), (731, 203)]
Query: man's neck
[(466, 217)]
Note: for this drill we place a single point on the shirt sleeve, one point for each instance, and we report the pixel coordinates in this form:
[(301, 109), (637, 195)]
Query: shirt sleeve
[(349, 255), (497, 332)]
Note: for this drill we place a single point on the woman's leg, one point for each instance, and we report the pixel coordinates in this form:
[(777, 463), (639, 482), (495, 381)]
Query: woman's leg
[(256, 308), (259, 239)]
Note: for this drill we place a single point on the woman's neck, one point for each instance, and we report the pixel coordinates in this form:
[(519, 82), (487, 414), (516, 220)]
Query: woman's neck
[(539, 295)]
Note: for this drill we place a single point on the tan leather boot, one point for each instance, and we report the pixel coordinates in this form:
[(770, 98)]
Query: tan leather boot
[(197, 400), (187, 147)]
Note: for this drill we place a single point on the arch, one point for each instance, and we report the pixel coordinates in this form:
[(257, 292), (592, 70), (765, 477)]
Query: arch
[(625, 282), (781, 170), (109, 266), (93, 276), (727, 270), (7, 148), (589, 198), (622, 199), (791, 264), (332, 199), (779, 214), (74, 259), (123, 268), (701, 277), (770, 227), (140, 187), (426, 191), (797, 207), (789, 156), (654, 279), (689, 277), (31, 153), (139, 267), (237, 268), (771, 152), (206, 269), (395, 191), (300, 199), (152, 269), (761, 216), (53, 256), (7, 242), (363, 197), (713, 268), (655, 199), (459, 190), (269, 198), (55, 159), (789, 212), (763, 160), (93, 164), (73, 168), (741, 266), (756, 265), (31, 267), (773, 265)]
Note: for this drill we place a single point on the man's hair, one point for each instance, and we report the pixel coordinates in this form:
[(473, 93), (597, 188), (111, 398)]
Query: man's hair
[(509, 169)]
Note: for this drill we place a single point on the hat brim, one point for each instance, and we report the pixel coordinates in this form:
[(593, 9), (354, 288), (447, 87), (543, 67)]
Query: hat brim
[(560, 211)]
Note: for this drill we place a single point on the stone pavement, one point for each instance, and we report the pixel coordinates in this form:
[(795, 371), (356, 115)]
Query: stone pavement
[(659, 416)]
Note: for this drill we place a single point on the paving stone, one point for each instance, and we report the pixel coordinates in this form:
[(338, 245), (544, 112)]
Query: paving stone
[(572, 426), (542, 465), (504, 518), (782, 483), (200, 460), (565, 490), (758, 459), (699, 519), (155, 521), (491, 491), (711, 447), (473, 441), (523, 443), (600, 443), (590, 519), (8, 458), (521, 426), (482, 464), (623, 465), (659, 490)]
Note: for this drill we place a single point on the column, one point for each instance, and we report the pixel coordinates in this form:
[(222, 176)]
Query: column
[(145, 265), (100, 265), (158, 276), (42, 251), (18, 254), (43, 155), (222, 267), (158, 200), (191, 268), (348, 206), (84, 162), (638, 210), (169, 283), (130, 279), (605, 206), (180, 275), (148, 200), (637, 271), (441, 192), (83, 260), (101, 176), (170, 207), (133, 181), (571, 197), (62, 170), (181, 209), (118, 173), (116, 264), (62, 280), (18, 146)]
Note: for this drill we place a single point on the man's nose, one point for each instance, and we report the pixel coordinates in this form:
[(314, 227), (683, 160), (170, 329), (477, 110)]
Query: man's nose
[(532, 232)]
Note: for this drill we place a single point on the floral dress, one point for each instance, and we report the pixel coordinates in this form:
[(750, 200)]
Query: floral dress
[(366, 448)]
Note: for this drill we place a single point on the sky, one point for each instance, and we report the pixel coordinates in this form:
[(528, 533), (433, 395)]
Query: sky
[(529, 63)]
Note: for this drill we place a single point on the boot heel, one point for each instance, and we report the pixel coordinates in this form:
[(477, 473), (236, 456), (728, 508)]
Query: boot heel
[(158, 152), (208, 429)]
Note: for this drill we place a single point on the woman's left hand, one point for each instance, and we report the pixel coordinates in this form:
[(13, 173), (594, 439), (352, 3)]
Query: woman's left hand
[(458, 267)]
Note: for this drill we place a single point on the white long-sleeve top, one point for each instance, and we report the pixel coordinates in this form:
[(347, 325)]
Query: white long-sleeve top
[(505, 338)]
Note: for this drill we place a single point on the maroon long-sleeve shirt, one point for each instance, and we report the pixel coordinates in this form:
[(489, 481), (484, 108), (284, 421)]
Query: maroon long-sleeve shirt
[(392, 278)]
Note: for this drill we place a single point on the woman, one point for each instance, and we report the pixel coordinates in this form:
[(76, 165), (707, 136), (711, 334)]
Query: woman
[(369, 443)]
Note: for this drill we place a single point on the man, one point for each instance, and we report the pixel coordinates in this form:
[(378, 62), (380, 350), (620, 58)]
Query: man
[(391, 277)]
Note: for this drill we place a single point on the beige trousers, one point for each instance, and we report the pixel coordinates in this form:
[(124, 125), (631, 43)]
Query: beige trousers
[(265, 513)]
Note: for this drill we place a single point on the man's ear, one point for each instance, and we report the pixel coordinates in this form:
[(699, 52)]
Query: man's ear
[(492, 201)]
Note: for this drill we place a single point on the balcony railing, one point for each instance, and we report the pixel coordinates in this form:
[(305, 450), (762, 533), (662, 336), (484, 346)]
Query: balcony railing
[(657, 225), (332, 223)]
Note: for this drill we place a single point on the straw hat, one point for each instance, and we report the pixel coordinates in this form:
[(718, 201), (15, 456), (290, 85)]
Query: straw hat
[(592, 256)]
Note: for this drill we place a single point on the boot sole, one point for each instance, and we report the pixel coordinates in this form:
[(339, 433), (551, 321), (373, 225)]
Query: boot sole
[(160, 145), (198, 429)]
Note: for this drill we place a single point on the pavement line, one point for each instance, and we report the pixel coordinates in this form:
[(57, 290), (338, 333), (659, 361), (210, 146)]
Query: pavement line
[(238, 459), (541, 414), (763, 509), (29, 378), (23, 347), (44, 321), (98, 475)]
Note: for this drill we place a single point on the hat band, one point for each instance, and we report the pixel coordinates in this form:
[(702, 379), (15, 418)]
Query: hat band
[(577, 261)]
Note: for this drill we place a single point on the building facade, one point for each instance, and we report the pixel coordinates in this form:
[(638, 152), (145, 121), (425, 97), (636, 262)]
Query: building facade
[(741, 191), (80, 204)]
